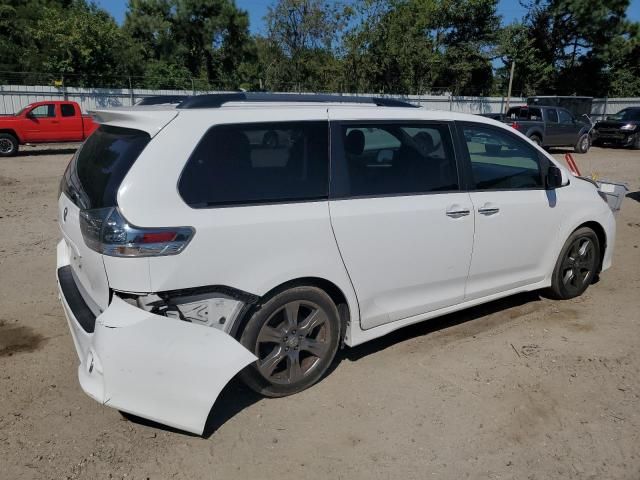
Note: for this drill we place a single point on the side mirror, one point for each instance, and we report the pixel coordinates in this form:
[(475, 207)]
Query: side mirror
[(554, 178), (30, 114)]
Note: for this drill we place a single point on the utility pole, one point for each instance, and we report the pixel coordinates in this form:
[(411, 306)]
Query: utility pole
[(513, 66)]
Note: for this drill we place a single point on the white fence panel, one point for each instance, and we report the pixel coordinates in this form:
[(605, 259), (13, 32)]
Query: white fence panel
[(15, 97)]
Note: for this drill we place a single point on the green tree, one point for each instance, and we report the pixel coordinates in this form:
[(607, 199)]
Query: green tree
[(208, 38), (301, 43), (418, 46)]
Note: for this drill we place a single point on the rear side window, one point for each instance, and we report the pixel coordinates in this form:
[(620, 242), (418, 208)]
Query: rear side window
[(501, 161), (67, 110), (258, 163), (96, 171), (552, 116), (395, 159)]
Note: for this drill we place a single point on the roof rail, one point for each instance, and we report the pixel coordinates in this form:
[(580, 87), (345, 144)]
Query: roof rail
[(216, 100), (161, 100)]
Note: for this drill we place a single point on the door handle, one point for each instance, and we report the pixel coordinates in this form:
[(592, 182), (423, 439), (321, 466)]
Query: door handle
[(488, 209), (457, 211)]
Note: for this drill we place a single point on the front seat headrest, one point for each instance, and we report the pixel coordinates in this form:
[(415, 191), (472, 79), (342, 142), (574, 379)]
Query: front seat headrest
[(354, 142)]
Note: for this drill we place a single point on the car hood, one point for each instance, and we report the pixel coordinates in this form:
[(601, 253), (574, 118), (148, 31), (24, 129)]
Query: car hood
[(615, 123)]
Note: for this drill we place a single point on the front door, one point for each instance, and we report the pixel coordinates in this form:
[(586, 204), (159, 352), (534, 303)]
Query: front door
[(41, 124), (403, 226), (515, 216), (552, 129), (570, 128)]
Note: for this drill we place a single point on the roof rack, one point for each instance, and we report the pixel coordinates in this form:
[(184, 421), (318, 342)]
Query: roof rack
[(162, 100), (216, 100)]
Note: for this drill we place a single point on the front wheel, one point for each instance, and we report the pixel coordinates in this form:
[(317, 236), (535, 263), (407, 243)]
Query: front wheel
[(636, 142), (536, 139), (295, 336), (577, 264), (8, 145), (583, 144)]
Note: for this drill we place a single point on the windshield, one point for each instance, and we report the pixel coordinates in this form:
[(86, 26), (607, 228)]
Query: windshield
[(96, 170), (626, 114), (21, 111)]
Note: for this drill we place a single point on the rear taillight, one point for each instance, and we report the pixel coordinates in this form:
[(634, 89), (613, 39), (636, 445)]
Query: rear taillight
[(106, 231), (515, 125)]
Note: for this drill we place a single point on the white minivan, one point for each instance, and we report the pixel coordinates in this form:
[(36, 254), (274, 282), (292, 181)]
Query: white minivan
[(193, 250)]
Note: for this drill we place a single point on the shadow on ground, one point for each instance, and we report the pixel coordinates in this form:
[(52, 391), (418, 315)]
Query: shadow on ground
[(235, 397), (634, 196), (66, 150)]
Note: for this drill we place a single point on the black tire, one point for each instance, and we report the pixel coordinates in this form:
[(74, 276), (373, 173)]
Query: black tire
[(8, 145), (583, 144), (635, 145), (300, 323), (536, 139), (577, 266)]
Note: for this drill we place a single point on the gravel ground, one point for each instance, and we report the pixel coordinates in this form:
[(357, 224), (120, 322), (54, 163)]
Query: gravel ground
[(522, 388)]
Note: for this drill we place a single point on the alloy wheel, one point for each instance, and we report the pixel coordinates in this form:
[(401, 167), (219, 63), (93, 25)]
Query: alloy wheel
[(292, 342), (578, 265), (6, 146)]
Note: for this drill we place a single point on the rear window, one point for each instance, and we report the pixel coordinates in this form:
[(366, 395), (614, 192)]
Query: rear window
[(258, 163), (96, 171)]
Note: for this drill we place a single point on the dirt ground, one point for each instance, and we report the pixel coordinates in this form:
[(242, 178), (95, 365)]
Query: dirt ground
[(523, 388)]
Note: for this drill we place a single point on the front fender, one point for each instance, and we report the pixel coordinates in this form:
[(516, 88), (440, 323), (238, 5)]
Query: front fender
[(159, 368)]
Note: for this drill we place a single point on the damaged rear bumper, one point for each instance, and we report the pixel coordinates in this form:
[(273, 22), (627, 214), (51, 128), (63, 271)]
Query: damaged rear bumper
[(156, 367)]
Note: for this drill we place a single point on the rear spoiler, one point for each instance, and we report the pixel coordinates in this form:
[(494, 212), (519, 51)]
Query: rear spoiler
[(150, 120)]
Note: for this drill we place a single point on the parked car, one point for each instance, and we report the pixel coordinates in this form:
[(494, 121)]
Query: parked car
[(44, 122), (190, 254), (621, 129), (550, 127)]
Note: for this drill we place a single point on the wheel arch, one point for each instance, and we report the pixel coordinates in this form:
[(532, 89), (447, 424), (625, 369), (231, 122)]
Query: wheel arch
[(11, 132), (330, 288)]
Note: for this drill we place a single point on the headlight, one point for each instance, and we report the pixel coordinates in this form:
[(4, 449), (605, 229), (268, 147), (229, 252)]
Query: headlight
[(628, 126)]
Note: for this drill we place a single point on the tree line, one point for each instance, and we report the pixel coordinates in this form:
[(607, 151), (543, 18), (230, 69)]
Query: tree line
[(565, 47)]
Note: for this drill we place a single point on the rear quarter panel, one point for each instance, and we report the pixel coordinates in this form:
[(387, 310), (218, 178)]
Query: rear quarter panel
[(251, 248)]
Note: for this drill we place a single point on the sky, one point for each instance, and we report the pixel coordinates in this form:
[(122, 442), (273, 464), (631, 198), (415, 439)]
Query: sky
[(509, 9)]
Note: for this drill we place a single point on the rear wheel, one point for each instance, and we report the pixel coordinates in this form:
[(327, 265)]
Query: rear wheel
[(577, 264), (8, 145), (583, 144), (295, 336)]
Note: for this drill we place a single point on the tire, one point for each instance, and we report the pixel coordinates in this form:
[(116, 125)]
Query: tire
[(577, 265), (636, 142), (295, 336), (8, 145), (536, 139), (583, 144)]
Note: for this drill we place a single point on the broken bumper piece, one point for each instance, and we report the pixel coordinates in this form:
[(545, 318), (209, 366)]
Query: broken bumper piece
[(152, 366)]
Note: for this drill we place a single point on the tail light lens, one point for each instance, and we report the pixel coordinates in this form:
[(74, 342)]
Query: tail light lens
[(515, 125), (106, 231)]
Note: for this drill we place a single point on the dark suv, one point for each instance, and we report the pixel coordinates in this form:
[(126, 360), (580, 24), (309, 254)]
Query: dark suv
[(621, 129)]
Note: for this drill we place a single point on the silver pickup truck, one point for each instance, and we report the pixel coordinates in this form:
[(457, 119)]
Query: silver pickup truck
[(551, 126)]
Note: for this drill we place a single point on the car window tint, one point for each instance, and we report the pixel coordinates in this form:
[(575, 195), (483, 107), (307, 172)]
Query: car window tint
[(552, 116), (41, 111), (67, 110), (258, 163), (500, 160), (397, 158), (564, 116)]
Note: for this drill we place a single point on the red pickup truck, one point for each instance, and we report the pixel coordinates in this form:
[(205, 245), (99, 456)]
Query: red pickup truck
[(44, 122)]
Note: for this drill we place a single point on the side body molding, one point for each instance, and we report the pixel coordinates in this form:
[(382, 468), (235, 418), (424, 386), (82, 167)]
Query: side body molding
[(159, 368)]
